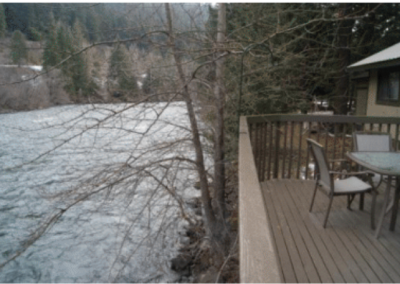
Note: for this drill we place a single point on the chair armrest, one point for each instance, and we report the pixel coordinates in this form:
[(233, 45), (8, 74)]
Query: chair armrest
[(337, 160), (351, 173)]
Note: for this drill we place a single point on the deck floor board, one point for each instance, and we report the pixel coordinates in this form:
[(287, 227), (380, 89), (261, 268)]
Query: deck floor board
[(346, 251)]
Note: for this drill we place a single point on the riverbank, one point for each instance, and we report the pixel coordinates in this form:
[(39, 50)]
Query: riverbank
[(195, 262)]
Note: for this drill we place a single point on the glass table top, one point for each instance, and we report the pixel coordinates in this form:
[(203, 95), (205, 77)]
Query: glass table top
[(381, 162)]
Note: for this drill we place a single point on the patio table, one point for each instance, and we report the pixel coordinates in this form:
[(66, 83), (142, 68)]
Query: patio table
[(388, 164)]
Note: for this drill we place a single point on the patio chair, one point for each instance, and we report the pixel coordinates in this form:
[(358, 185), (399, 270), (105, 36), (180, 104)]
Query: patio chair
[(372, 142), (349, 186)]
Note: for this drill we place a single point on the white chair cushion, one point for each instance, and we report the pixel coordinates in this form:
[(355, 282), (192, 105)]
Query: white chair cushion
[(351, 184)]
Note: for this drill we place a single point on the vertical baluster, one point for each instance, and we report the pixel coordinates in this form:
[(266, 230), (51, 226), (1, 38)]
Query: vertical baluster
[(319, 127), (257, 151), (276, 163), (252, 138), (308, 150), (251, 134), (284, 149), (388, 132), (271, 132), (292, 125), (344, 140), (264, 152), (326, 138), (353, 129), (380, 127), (396, 138), (260, 151), (334, 143), (299, 152)]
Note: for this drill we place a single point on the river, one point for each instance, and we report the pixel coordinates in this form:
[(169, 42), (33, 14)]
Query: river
[(129, 225)]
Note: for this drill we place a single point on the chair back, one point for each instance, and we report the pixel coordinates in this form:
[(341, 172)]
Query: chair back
[(318, 151), (372, 142)]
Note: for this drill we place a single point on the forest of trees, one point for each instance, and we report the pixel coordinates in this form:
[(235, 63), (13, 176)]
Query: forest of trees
[(296, 50), (229, 60)]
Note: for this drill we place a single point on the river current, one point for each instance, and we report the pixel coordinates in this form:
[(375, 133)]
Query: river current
[(118, 160)]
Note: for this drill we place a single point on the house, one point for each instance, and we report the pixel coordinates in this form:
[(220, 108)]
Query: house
[(377, 83)]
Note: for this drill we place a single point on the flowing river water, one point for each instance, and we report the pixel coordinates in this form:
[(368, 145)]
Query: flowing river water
[(129, 228)]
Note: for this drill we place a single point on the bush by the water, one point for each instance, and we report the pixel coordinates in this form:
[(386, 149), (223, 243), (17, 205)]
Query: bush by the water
[(41, 92)]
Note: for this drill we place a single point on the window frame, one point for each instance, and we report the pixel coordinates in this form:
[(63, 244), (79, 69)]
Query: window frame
[(382, 72)]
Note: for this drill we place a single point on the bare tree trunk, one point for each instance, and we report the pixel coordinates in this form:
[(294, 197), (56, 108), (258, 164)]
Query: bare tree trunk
[(342, 93), (219, 92), (205, 194), (216, 224)]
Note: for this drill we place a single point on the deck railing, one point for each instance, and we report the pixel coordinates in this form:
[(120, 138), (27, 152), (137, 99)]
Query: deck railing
[(279, 141), (258, 257), (274, 146)]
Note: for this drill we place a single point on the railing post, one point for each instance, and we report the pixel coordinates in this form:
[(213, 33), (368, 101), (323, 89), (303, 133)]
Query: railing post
[(270, 149), (284, 150), (264, 150), (257, 155), (292, 124), (344, 140), (276, 163), (299, 152), (308, 150)]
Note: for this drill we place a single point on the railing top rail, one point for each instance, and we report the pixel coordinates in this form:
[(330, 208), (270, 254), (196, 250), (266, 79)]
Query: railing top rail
[(321, 118)]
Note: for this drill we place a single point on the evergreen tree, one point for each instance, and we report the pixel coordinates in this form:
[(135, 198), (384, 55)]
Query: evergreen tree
[(51, 53), (120, 71), (92, 25), (34, 34), (3, 24), (18, 48), (64, 42), (77, 69)]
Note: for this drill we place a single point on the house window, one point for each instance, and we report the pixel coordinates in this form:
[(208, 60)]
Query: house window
[(389, 86)]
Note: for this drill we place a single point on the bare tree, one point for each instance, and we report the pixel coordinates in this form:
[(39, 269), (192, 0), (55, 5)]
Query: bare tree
[(123, 159), (214, 214)]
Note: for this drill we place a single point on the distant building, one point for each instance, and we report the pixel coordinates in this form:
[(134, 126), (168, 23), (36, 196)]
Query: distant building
[(377, 79)]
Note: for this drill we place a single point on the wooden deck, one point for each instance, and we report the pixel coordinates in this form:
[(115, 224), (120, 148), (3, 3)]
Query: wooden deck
[(346, 251)]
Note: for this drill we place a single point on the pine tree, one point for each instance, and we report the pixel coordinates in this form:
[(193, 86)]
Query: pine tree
[(120, 71), (92, 24), (34, 34), (64, 42), (18, 48), (51, 54), (77, 69), (3, 24)]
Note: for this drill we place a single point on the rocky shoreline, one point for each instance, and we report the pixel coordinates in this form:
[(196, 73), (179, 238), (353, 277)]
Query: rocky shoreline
[(4, 111), (194, 262)]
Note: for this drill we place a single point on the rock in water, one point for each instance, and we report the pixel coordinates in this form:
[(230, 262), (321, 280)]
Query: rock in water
[(181, 265)]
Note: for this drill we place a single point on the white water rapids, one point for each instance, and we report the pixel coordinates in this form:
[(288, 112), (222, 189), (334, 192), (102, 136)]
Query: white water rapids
[(129, 231)]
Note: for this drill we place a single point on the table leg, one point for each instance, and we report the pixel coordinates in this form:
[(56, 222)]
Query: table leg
[(395, 206), (385, 204)]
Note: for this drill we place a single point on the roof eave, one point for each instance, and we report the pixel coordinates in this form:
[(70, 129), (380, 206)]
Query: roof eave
[(377, 65)]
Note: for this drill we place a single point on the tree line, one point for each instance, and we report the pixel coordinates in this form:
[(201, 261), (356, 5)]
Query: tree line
[(294, 51)]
